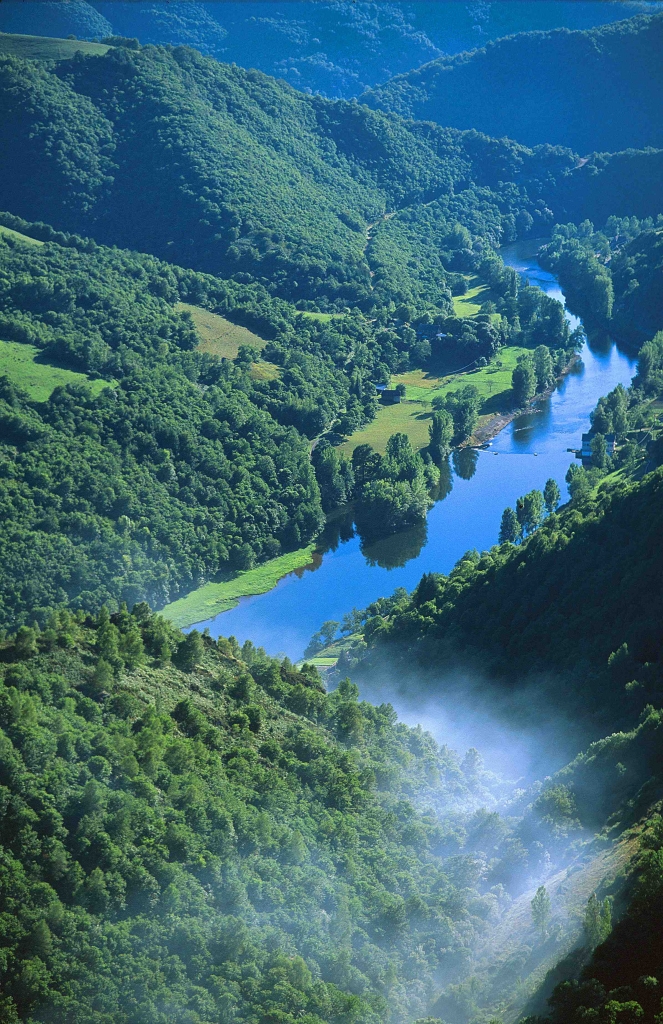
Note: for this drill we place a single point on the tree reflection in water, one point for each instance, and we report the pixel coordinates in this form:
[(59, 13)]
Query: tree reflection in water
[(396, 551), (465, 462)]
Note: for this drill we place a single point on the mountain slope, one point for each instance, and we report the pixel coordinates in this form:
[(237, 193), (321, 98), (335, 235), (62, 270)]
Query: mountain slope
[(598, 90), (571, 616), (234, 173), (334, 48)]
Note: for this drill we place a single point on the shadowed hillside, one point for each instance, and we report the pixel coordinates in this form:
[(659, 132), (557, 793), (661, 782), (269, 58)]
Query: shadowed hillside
[(595, 90)]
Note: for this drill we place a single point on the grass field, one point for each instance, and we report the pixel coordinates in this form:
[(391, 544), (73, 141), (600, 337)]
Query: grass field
[(10, 233), (413, 415), (24, 366), (411, 418), (491, 381), (45, 48), (469, 304), (265, 371), (325, 317), (212, 598), (219, 336)]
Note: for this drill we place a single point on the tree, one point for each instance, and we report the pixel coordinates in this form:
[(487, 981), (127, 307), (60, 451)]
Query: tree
[(131, 646), (523, 381), (190, 651), (328, 630), (365, 464), (541, 909), (102, 677), (352, 621), (400, 389), (551, 495), (25, 643), (529, 511), (599, 452), (440, 433), (597, 922), (543, 367), (510, 528)]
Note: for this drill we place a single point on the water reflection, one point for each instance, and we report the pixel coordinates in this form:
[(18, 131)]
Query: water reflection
[(397, 550), (446, 481), (465, 462)]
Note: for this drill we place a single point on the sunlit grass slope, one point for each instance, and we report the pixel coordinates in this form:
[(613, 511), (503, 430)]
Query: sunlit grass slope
[(491, 381), (218, 336), (18, 236), (213, 598), (24, 367), (411, 418), (45, 48), (470, 303)]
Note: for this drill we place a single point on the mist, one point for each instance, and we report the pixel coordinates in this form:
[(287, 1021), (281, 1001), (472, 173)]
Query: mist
[(518, 734)]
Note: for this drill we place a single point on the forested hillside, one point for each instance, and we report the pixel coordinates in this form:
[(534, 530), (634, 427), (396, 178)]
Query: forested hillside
[(195, 832), (335, 49), (576, 608), (612, 276), (597, 90), (233, 173), (185, 464)]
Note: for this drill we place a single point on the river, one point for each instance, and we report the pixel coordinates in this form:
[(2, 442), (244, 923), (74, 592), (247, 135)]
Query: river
[(480, 485)]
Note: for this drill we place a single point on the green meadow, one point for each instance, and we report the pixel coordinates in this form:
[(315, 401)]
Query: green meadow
[(24, 366), (218, 336), (18, 236), (44, 48), (210, 599)]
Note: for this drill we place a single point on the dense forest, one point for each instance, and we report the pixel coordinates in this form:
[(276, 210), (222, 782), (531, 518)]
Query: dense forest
[(193, 831), (335, 49), (613, 277), (188, 465), (230, 172), (595, 90)]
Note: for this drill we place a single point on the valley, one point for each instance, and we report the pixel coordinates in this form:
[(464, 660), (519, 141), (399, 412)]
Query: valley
[(331, 482)]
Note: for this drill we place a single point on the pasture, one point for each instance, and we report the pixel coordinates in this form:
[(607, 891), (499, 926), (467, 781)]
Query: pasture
[(46, 48), (218, 336), (25, 366)]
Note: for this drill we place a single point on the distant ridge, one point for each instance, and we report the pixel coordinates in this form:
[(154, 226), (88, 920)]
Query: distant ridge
[(596, 90)]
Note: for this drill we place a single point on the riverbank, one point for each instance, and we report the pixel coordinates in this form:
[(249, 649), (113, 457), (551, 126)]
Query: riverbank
[(213, 598), (490, 426)]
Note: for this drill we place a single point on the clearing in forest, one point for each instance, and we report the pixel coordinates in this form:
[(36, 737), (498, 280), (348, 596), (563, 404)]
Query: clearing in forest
[(45, 48), (470, 303), (25, 366), (411, 418), (218, 336), (18, 236), (493, 382)]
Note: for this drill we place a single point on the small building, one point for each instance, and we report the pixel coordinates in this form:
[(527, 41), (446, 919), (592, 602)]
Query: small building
[(390, 396), (610, 444)]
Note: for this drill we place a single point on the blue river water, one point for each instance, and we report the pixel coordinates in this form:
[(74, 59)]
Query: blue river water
[(480, 485)]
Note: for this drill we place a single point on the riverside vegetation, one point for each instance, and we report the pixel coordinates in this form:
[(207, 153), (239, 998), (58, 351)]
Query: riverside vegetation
[(199, 832)]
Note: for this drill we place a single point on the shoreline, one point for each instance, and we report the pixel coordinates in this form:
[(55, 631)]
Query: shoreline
[(211, 599), (498, 421), (204, 603)]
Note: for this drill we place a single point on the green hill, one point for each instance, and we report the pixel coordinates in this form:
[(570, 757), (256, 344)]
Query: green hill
[(328, 204), (555, 609), (45, 48), (231, 172), (595, 90), (196, 832)]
